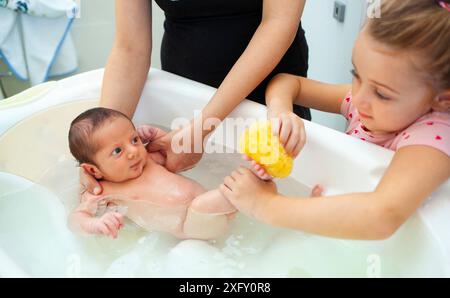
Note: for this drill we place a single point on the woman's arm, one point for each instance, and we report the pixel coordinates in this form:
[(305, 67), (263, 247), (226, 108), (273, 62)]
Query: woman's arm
[(129, 61), (270, 42), (286, 89), (268, 45), (127, 67), (414, 173)]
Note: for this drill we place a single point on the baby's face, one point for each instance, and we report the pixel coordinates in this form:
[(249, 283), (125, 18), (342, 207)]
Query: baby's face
[(121, 155)]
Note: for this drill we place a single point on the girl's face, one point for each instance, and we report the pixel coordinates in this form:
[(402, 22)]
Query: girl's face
[(388, 92)]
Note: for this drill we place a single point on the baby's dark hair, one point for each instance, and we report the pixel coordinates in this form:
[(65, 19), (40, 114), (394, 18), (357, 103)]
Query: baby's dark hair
[(82, 127)]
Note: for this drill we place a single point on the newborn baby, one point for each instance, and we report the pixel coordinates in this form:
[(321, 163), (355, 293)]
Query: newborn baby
[(107, 145)]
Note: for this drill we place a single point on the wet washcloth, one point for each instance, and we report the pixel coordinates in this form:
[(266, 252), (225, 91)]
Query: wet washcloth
[(35, 41)]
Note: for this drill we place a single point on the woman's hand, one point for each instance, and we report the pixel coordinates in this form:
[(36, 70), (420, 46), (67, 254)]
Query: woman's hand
[(248, 193), (291, 131), (148, 133), (178, 147), (89, 183)]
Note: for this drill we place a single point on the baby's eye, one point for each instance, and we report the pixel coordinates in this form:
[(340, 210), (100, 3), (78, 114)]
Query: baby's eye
[(116, 151), (135, 140), (354, 74)]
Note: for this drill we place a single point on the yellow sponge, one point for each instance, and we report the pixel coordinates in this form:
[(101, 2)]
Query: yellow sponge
[(261, 145)]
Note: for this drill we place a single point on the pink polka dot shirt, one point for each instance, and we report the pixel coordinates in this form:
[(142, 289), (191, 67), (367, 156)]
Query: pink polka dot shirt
[(432, 129)]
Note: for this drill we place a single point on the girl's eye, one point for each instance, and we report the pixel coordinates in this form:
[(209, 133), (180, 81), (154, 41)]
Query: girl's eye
[(354, 74), (381, 95), (116, 151), (135, 140)]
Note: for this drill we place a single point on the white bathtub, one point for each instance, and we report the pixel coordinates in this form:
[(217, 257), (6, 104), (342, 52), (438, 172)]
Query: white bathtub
[(37, 174)]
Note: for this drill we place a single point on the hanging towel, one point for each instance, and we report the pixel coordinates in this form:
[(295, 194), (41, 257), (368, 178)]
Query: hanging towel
[(35, 41)]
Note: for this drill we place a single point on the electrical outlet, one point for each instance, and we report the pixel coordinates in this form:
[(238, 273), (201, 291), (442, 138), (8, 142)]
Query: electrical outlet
[(339, 11)]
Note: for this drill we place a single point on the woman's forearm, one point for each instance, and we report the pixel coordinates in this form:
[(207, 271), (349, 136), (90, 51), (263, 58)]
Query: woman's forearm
[(263, 53), (124, 79), (351, 216)]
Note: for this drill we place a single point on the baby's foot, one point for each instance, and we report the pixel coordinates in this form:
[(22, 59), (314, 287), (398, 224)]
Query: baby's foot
[(257, 169), (231, 216)]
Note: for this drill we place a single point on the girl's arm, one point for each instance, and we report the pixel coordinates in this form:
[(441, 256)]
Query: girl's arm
[(286, 89), (129, 61), (414, 173)]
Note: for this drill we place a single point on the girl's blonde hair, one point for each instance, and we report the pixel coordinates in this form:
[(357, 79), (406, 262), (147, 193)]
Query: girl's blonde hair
[(421, 26)]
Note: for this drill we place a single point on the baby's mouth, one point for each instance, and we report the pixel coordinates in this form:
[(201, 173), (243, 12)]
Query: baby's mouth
[(136, 165)]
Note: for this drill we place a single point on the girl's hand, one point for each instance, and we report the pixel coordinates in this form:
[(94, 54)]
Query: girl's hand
[(317, 191), (258, 170), (248, 193), (291, 131)]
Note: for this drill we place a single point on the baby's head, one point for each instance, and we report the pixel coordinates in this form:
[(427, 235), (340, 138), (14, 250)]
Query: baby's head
[(106, 144), (402, 64)]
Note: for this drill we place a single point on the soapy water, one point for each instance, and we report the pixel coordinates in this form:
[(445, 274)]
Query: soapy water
[(33, 232)]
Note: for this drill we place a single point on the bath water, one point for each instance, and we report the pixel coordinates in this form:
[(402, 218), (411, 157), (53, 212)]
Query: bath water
[(33, 232)]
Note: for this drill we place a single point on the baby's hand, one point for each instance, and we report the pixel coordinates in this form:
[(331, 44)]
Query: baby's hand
[(291, 131), (258, 170), (108, 224), (317, 191)]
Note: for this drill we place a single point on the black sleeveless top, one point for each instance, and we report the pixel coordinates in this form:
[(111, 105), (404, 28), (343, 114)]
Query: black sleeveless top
[(204, 38)]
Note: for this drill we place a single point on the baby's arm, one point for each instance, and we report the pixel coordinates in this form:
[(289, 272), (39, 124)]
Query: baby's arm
[(414, 173), (208, 216), (82, 220)]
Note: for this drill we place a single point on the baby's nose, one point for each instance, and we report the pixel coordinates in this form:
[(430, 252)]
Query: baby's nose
[(131, 153)]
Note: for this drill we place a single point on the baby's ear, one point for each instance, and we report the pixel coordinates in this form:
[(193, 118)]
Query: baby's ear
[(92, 170), (442, 102)]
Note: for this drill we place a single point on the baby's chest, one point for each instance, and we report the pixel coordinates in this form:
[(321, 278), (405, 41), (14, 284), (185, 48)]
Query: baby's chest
[(158, 191)]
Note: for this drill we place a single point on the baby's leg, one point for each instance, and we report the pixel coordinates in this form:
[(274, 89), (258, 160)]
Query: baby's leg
[(208, 216), (212, 202)]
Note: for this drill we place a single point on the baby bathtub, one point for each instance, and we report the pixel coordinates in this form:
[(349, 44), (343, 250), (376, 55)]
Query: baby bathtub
[(34, 239)]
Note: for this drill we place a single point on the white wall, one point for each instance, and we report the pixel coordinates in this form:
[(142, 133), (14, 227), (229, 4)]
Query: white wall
[(330, 46), (93, 33)]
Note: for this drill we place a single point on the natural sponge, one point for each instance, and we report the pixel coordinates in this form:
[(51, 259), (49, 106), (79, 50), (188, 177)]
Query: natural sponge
[(261, 145)]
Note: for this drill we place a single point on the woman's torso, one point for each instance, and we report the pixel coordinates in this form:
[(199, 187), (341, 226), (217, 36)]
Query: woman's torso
[(204, 38)]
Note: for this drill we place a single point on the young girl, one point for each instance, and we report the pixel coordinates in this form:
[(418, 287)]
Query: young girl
[(399, 99)]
